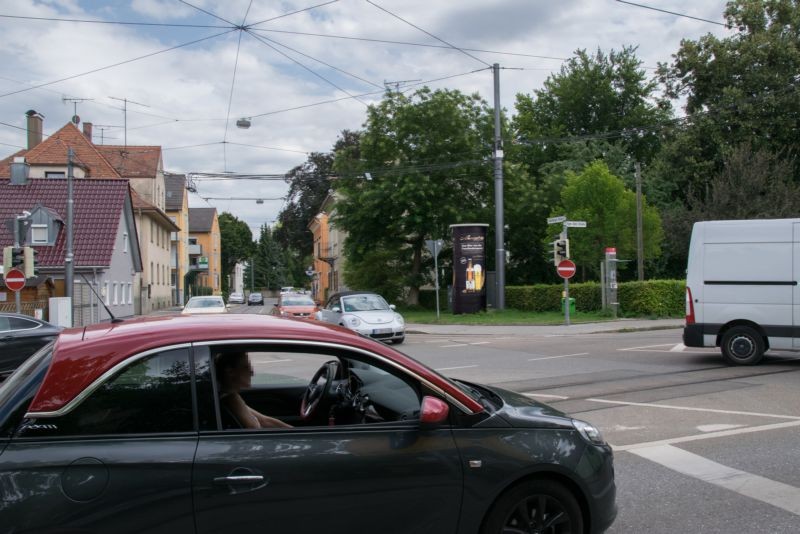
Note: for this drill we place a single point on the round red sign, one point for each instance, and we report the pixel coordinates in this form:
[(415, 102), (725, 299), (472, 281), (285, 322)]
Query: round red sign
[(15, 280), (566, 269)]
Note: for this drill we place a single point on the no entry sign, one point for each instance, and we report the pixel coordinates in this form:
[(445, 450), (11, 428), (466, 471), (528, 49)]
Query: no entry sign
[(566, 269), (15, 280)]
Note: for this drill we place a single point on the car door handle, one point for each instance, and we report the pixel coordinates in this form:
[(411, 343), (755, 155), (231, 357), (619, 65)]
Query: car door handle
[(239, 479)]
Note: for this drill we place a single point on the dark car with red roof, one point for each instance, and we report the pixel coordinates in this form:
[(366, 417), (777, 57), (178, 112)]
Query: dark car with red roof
[(132, 427)]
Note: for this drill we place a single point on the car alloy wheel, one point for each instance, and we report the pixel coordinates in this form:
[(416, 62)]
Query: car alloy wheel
[(536, 507)]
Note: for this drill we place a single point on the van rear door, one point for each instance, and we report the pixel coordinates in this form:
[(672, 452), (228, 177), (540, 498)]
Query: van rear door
[(796, 287)]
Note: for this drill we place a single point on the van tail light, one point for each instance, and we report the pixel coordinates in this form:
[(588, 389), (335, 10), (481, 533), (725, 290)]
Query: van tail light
[(689, 306)]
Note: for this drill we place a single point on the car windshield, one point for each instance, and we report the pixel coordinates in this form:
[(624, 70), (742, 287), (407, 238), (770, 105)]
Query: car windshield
[(357, 303), (205, 303), (299, 300)]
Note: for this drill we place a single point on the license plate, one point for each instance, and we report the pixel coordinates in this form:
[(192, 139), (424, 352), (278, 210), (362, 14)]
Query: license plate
[(382, 331)]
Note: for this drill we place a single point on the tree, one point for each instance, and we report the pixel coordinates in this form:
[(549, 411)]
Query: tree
[(597, 107), (738, 90), (423, 166), (269, 261), (609, 209), (309, 184), (236, 241)]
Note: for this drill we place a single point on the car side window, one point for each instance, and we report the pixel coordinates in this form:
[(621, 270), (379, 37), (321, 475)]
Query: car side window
[(152, 395), (4, 324), (18, 323)]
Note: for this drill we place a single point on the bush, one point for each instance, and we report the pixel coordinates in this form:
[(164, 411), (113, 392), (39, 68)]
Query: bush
[(658, 298)]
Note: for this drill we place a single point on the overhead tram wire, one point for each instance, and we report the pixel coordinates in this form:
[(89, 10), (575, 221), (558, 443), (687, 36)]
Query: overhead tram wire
[(264, 42), (673, 13), (230, 99), (114, 22), (454, 47), (37, 86), (209, 13)]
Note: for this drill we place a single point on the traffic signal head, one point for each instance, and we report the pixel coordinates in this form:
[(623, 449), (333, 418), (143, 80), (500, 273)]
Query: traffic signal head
[(17, 257), (30, 262), (560, 250)]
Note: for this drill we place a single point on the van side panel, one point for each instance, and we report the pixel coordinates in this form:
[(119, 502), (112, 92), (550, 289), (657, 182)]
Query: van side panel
[(796, 288)]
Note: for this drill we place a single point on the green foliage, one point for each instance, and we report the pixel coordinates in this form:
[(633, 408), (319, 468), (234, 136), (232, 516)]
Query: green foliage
[(236, 241), (202, 291), (660, 298), (269, 262), (609, 209), (426, 156), (387, 280)]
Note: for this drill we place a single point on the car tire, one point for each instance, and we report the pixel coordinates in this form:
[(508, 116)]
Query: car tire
[(742, 345), (560, 511), (399, 340)]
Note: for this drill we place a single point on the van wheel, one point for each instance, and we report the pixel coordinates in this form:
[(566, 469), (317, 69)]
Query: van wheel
[(742, 345), (536, 506)]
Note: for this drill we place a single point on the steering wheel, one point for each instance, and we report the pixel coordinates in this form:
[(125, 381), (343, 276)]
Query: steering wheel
[(316, 390)]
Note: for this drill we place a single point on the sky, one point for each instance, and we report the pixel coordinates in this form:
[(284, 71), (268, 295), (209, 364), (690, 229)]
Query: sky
[(189, 72)]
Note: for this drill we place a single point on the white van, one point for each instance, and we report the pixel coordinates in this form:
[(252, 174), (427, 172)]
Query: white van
[(741, 288)]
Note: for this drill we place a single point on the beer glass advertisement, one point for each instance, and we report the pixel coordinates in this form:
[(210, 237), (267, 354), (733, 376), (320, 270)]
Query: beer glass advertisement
[(469, 267)]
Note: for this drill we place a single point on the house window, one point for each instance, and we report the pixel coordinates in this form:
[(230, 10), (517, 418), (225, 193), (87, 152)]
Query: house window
[(39, 234), (125, 242), (107, 292), (130, 293), (116, 294), (54, 174), (151, 231), (152, 272)]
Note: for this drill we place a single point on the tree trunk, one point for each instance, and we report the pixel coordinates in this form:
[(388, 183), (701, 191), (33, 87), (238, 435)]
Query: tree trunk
[(416, 267)]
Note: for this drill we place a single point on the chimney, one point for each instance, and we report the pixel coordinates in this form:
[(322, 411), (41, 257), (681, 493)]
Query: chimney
[(87, 130), (34, 128)]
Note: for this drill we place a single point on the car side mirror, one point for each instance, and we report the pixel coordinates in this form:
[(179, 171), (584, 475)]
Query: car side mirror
[(392, 307), (433, 411)]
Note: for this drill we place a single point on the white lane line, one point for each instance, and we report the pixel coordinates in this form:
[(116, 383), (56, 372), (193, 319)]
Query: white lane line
[(756, 487), (710, 435), (649, 346), (678, 348), (451, 346), (561, 356), (480, 343), (560, 397), (451, 368), (693, 409)]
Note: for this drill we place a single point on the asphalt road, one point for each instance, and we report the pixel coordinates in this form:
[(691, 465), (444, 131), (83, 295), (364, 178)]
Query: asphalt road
[(699, 446)]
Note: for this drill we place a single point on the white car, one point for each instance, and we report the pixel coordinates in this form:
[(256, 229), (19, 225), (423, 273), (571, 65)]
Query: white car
[(366, 313), (209, 304), (236, 298)]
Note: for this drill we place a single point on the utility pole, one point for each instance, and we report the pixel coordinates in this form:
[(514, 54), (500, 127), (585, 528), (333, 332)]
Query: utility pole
[(639, 229), (500, 254), (125, 112), (69, 267)]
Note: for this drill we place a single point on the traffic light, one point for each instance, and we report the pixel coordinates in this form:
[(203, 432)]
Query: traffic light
[(30, 262), (560, 250), (17, 256)]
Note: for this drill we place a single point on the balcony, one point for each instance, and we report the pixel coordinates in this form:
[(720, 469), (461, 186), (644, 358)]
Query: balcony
[(195, 250)]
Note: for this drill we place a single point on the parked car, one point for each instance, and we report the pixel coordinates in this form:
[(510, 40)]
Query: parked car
[(20, 337), (296, 305), (120, 428), (207, 304), (366, 313), (236, 298), (255, 299)]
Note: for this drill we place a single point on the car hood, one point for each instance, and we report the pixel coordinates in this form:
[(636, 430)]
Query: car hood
[(524, 412), (375, 316)]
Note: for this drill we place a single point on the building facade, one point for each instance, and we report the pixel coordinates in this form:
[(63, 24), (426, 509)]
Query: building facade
[(205, 252)]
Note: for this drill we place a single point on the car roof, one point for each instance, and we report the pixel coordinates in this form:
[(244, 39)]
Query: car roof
[(81, 355), (349, 293)]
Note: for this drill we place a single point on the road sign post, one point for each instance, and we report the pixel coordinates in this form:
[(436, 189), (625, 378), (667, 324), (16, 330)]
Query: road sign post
[(435, 247), (566, 270)]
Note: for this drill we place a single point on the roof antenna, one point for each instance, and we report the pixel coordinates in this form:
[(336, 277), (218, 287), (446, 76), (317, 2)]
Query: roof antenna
[(113, 319)]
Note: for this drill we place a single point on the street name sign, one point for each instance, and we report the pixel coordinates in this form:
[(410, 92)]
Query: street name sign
[(566, 269), (575, 224), (15, 280), (556, 220)]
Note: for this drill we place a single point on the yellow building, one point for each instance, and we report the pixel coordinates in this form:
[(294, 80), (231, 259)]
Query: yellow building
[(177, 207), (329, 262), (205, 252)]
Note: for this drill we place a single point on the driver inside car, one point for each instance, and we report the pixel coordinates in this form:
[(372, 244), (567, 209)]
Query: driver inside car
[(234, 372)]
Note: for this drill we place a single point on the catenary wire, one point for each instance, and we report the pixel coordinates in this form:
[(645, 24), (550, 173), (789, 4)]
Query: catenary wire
[(292, 13), (210, 14), (116, 22), (673, 13)]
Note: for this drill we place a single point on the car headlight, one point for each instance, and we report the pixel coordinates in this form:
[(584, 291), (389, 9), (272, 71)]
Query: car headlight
[(589, 432), (351, 321), (399, 319)]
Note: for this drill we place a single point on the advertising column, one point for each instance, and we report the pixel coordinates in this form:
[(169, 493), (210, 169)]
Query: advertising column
[(469, 267)]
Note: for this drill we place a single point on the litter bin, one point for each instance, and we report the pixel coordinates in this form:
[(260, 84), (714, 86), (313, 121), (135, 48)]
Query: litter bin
[(571, 305)]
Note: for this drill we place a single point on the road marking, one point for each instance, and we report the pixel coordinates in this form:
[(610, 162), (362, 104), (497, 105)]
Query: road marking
[(678, 348), (716, 428), (561, 356), (756, 487), (480, 343), (560, 397), (710, 435), (693, 409), (451, 346), (451, 368), (648, 346)]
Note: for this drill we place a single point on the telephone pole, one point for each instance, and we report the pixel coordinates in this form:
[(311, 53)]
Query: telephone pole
[(639, 228), (500, 254)]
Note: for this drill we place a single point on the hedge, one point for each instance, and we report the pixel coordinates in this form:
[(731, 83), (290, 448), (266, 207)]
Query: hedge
[(660, 298)]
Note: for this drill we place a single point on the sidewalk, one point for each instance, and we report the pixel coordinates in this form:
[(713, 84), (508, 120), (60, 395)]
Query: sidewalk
[(618, 325)]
